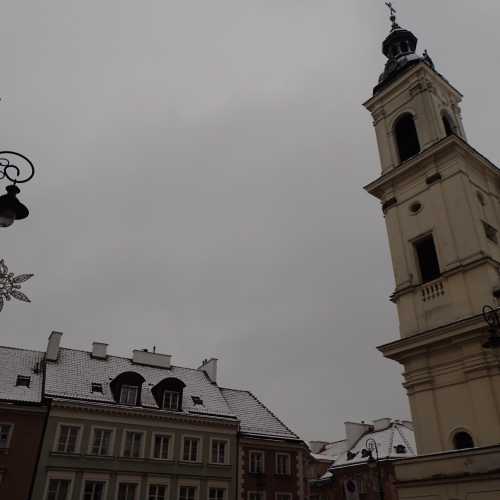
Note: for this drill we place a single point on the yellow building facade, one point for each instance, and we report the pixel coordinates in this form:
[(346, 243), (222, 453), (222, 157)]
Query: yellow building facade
[(441, 202)]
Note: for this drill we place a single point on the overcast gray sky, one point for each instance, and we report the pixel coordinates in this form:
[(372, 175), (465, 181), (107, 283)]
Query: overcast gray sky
[(199, 184)]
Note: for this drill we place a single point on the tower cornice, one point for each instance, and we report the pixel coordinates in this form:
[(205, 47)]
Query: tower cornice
[(378, 186)]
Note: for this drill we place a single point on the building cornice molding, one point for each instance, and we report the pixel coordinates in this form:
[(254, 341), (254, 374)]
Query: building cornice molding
[(143, 413)]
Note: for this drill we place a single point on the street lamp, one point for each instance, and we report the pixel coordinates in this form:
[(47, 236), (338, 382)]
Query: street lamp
[(374, 462), (490, 315), (11, 166)]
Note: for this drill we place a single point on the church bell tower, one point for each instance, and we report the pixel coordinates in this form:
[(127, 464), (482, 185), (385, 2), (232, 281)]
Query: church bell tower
[(441, 202)]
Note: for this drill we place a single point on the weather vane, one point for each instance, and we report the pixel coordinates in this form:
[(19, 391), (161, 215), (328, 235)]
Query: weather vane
[(393, 12), (10, 285)]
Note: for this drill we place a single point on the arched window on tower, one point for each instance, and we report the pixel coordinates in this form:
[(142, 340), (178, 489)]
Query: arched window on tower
[(449, 127), (406, 137), (463, 440)]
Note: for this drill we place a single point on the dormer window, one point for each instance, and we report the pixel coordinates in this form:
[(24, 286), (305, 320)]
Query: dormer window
[(400, 449), (168, 394), (126, 388), (171, 400), (96, 387), (128, 394), (197, 400)]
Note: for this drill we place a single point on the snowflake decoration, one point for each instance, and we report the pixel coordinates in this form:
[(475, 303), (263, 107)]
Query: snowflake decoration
[(9, 285)]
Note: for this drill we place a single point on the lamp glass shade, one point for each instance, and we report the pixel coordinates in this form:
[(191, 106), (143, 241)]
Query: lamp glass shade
[(7, 217)]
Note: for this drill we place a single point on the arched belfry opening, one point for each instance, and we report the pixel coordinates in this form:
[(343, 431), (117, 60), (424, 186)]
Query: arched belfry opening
[(406, 135), (448, 124), (462, 440)]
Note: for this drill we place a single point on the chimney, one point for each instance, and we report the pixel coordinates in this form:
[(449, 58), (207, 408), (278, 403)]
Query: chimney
[(354, 432), (209, 366), (53, 346), (99, 350), (144, 357)]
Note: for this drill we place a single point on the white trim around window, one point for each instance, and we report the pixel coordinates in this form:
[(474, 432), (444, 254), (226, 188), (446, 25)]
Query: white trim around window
[(227, 451), (10, 425), (58, 435), (158, 481), (288, 462), (171, 444), (256, 452), (102, 478), (63, 476), (188, 483), (199, 449), (143, 443), (218, 485), (111, 441), (128, 480)]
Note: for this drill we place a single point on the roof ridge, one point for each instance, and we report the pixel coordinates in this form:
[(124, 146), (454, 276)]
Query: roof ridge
[(404, 438), (21, 349)]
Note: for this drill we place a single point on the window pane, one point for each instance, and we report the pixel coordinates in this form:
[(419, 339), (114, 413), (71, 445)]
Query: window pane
[(94, 490), (171, 400), (58, 489), (187, 493), (128, 394), (427, 259), (190, 450), (161, 445), (68, 436), (127, 491), (217, 494), (157, 492), (4, 435), (133, 444)]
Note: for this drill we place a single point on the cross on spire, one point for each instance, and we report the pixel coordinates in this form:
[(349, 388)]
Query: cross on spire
[(393, 11)]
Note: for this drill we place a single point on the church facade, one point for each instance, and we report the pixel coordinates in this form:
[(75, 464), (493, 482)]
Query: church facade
[(441, 202)]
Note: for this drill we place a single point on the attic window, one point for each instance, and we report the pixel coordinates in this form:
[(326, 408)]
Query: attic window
[(400, 449), (197, 400), (351, 455), (96, 387), (23, 381)]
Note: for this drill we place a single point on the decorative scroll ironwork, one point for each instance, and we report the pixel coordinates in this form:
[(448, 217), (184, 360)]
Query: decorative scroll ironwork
[(491, 317), (10, 285), (15, 167)]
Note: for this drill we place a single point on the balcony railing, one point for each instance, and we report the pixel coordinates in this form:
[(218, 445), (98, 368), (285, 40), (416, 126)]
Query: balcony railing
[(432, 291)]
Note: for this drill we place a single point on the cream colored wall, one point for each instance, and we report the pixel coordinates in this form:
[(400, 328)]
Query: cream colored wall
[(471, 475), (452, 382)]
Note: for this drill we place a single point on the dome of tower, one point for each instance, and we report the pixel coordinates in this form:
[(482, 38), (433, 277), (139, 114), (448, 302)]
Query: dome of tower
[(400, 49)]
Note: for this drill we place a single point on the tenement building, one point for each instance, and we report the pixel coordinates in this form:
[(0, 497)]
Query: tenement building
[(441, 202), (141, 428), (22, 420), (361, 466)]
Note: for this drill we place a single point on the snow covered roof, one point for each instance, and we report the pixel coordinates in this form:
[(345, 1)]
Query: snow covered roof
[(329, 452), (70, 374), (255, 418), (24, 363), (395, 440), (73, 374)]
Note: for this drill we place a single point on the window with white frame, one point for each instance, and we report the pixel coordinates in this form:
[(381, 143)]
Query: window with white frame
[(5, 435), (188, 492), (94, 490), (132, 445), (256, 495), (283, 496), (283, 464), (127, 491), (219, 452), (58, 489), (157, 492), (67, 441), (256, 462), (161, 446), (101, 442), (171, 400), (128, 394), (191, 449), (217, 493)]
